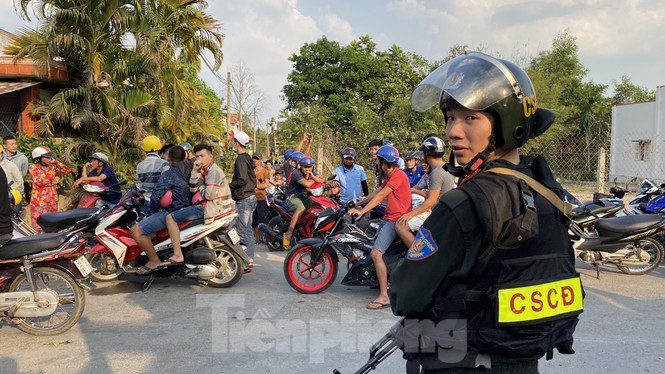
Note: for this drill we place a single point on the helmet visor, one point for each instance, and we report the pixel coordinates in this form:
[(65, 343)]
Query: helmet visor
[(476, 81)]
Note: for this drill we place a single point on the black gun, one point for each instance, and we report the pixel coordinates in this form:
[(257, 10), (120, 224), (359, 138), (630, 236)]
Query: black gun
[(382, 349)]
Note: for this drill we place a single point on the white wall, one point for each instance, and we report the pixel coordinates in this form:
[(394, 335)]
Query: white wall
[(638, 122)]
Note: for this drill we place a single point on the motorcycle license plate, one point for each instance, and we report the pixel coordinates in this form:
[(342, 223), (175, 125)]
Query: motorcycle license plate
[(233, 235), (83, 265)]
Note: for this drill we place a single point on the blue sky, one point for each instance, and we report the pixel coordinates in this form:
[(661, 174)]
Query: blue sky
[(614, 37)]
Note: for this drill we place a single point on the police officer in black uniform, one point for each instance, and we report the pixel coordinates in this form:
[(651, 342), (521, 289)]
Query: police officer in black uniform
[(490, 279)]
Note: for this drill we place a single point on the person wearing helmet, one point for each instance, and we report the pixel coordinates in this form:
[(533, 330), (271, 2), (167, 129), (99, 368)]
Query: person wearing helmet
[(45, 174), (151, 167), (397, 192), (439, 182), (351, 177), (189, 157), (301, 178), (413, 170), (492, 240), (242, 188), (97, 169), (290, 164), (288, 167), (173, 182)]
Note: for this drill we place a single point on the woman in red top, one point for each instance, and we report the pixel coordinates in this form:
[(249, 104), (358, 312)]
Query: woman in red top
[(44, 174)]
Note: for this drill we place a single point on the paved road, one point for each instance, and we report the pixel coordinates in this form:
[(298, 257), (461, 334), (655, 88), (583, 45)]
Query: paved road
[(262, 326)]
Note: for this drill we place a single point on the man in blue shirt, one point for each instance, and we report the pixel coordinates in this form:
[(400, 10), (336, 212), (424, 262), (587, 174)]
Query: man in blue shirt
[(98, 170), (413, 171), (351, 177)]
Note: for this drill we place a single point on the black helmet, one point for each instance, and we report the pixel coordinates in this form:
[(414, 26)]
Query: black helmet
[(480, 82), (433, 146), (349, 152)]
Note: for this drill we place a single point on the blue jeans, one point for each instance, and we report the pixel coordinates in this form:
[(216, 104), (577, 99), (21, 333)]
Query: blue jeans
[(245, 209)]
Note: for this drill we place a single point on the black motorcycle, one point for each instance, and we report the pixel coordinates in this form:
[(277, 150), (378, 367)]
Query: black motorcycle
[(311, 266), (42, 278)]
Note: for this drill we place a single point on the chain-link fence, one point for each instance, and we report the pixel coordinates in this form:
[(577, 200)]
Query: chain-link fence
[(584, 162), (8, 123)]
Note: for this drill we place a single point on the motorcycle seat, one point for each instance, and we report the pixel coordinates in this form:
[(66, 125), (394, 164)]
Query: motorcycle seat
[(626, 224), (61, 220), (31, 244)]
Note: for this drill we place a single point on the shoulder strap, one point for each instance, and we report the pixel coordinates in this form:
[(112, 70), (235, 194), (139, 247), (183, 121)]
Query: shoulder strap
[(565, 207)]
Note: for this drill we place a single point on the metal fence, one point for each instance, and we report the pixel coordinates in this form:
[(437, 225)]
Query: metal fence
[(580, 161), (9, 123)]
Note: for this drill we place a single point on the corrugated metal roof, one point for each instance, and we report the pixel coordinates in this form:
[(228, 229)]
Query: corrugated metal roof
[(7, 87)]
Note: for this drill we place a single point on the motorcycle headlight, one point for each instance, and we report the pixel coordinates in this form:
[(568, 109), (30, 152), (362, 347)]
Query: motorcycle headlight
[(318, 222), (316, 191)]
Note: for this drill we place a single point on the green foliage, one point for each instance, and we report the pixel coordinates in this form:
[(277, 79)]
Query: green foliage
[(133, 66), (625, 92)]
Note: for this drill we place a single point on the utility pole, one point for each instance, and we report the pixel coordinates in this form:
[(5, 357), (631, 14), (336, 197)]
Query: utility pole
[(268, 139), (254, 138), (228, 102), (273, 126)]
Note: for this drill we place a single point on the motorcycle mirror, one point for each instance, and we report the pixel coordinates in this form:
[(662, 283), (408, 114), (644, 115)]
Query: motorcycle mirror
[(332, 177)]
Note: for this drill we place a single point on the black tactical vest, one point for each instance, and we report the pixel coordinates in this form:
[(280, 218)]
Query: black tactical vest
[(524, 295)]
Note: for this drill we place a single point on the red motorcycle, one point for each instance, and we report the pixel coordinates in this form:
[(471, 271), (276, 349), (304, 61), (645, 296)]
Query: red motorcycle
[(279, 217), (212, 252), (42, 278), (93, 191)]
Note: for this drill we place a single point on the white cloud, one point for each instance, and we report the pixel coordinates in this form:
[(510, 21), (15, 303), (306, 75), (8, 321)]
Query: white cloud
[(336, 28), (263, 34)]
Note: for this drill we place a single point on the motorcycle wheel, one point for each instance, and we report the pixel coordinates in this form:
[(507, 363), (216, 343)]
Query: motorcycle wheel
[(229, 267), (278, 225), (106, 267), (308, 280), (654, 249), (71, 302)]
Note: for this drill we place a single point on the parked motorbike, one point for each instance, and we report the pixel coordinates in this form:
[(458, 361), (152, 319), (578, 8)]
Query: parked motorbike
[(212, 252), (41, 282), (311, 266), (92, 193), (647, 191), (279, 217), (631, 243)]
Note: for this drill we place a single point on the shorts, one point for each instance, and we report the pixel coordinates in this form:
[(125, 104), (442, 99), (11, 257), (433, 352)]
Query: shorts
[(188, 213), (417, 221), (295, 203), (384, 235), (260, 213), (154, 222)]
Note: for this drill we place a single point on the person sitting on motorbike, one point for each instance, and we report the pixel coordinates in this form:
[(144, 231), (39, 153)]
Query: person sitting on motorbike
[(209, 180), (151, 168), (302, 177), (413, 171), (173, 182), (98, 170), (395, 188), (306, 142), (439, 182)]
